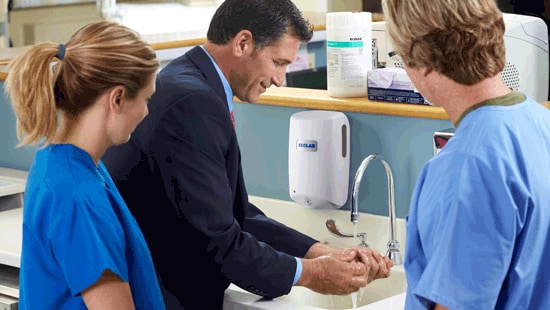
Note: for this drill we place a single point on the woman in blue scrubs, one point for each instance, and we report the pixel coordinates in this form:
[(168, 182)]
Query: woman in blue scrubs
[(81, 246), (479, 220)]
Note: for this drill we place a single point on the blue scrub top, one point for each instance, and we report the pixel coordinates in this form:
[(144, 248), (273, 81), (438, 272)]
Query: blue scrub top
[(479, 220), (76, 226)]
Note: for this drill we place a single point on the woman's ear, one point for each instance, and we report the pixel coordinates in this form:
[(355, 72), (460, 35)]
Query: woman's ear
[(116, 98)]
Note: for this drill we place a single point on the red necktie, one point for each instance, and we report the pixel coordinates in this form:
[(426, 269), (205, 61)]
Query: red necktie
[(232, 118)]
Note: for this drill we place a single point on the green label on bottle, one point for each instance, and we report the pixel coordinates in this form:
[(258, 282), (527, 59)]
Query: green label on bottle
[(340, 44)]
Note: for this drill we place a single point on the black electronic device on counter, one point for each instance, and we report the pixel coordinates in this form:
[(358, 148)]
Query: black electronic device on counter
[(315, 78)]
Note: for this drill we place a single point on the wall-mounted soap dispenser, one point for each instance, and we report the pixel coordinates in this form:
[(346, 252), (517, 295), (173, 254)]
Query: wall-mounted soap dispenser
[(319, 158)]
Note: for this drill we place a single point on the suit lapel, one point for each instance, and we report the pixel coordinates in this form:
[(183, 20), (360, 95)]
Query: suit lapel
[(202, 61)]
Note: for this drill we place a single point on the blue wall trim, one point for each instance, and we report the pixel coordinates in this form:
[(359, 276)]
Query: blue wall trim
[(405, 143)]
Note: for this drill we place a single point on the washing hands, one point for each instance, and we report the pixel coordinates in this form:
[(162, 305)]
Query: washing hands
[(341, 271)]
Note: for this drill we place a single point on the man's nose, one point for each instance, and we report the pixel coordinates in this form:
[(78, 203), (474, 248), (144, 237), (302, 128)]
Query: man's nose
[(279, 77)]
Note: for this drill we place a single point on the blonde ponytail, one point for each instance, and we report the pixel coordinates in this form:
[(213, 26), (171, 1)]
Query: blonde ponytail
[(30, 86)]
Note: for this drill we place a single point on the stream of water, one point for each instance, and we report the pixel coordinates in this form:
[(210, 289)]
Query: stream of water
[(354, 295)]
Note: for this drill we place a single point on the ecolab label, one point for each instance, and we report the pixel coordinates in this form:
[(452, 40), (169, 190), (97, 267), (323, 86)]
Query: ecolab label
[(306, 145)]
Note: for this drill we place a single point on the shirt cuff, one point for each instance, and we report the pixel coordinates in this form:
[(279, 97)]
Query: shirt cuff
[(298, 270)]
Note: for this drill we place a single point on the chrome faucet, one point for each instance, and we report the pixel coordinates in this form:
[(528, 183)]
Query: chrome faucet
[(393, 245), (331, 225)]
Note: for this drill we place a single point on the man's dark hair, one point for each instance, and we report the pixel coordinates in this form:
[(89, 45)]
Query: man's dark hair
[(267, 20)]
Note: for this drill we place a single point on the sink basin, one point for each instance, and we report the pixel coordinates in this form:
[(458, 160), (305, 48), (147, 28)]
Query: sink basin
[(381, 294), (303, 298), (375, 291)]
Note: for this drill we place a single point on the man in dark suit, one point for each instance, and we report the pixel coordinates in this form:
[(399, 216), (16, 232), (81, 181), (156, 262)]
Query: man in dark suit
[(181, 174)]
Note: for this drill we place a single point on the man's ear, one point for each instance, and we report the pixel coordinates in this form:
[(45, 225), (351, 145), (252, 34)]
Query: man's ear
[(243, 43), (116, 98), (425, 71)]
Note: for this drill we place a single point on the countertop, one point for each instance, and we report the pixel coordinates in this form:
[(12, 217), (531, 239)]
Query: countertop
[(11, 237), (320, 99), (11, 182)]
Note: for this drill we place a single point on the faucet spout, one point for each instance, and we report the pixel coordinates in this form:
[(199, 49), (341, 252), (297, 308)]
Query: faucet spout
[(393, 245), (355, 187)]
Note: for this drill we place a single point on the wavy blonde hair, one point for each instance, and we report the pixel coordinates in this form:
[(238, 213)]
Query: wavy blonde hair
[(97, 57), (461, 39)]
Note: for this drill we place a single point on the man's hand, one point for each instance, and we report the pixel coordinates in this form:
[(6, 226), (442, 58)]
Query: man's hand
[(340, 271), (320, 249), (331, 275), (379, 265)]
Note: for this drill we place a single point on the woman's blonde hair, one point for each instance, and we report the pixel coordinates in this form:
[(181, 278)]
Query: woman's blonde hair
[(97, 57), (463, 40)]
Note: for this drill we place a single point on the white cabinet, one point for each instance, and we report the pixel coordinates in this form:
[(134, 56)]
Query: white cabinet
[(51, 23)]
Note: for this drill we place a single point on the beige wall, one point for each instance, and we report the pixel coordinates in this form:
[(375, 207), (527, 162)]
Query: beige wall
[(311, 5), (344, 5), (328, 5)]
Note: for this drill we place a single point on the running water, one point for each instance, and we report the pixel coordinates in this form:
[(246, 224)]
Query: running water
[(354, 300), (354, 294)]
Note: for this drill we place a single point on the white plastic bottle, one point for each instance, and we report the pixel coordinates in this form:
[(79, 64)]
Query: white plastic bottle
[(349, 53)]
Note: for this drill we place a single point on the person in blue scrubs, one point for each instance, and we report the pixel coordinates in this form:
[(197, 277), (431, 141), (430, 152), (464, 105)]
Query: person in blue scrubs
[(82, 249), (479, 220)]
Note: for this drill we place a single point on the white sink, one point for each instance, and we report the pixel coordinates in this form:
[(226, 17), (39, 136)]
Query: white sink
[(382, 294), (375, 291)]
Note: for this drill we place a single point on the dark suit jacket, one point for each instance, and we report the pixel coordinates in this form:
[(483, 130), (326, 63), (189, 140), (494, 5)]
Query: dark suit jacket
[(181, 176)]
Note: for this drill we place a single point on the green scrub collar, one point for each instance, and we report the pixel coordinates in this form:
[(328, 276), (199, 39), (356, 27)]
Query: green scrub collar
[(513, 97)]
